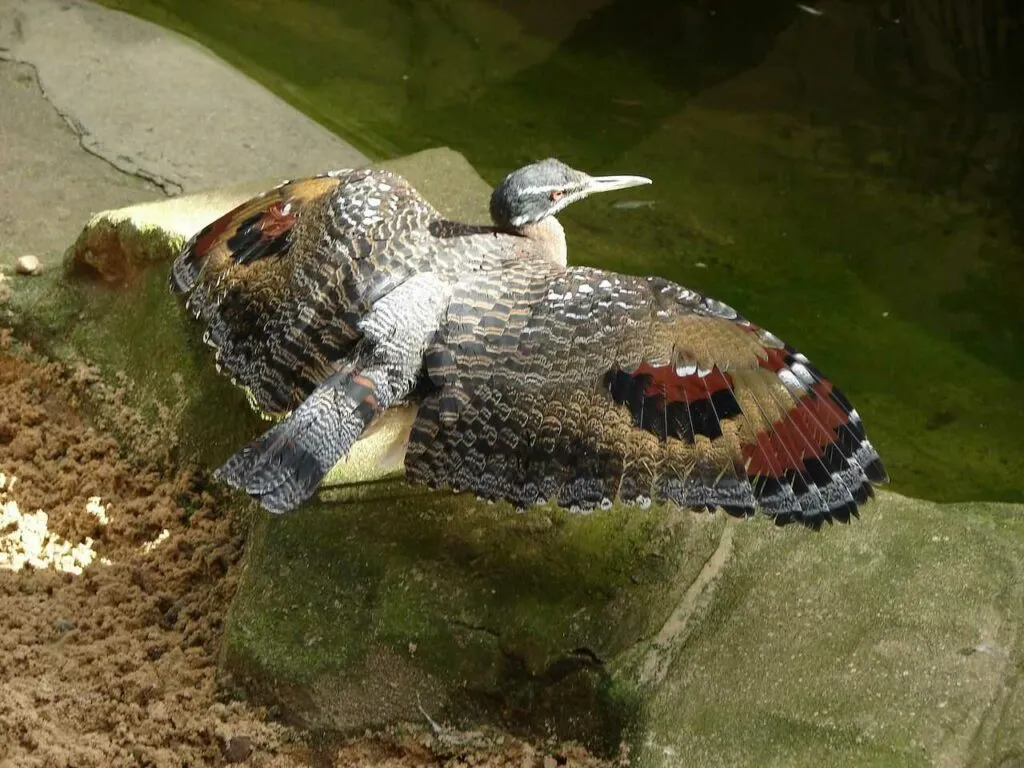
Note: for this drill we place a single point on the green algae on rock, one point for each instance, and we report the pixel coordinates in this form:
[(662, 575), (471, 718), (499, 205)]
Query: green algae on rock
[(473, 612), (894, 641)]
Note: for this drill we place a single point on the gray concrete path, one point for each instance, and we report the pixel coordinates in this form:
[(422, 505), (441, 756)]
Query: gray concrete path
[(102, 110)]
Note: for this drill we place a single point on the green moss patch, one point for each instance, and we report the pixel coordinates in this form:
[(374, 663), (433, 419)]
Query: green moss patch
[(507, 618)]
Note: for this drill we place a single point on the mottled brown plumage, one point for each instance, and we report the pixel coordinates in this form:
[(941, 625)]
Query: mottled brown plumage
[(282, 281), (586, 386), (334, 298)]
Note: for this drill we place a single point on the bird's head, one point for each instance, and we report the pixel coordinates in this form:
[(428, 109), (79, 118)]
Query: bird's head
[(542, 189)]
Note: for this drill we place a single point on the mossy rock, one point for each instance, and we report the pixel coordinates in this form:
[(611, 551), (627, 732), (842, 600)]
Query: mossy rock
[(693, 639), (893, 641), (355, 613), (137, 339)]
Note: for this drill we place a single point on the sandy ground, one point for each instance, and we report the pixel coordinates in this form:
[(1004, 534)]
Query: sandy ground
[(110, 626)]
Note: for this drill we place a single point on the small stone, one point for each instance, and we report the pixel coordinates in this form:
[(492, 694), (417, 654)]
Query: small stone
[(28, 265), (237, 749)]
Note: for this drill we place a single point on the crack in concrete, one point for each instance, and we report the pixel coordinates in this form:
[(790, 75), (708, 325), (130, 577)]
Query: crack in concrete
[(166, 186)]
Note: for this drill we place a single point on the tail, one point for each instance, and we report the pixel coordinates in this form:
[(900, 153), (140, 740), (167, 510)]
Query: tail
[(283, 467)]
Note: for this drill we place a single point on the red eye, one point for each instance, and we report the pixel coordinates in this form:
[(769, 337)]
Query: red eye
[(555, 195)]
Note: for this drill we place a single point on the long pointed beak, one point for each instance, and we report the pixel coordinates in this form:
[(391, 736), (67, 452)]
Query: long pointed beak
[(608, 183)]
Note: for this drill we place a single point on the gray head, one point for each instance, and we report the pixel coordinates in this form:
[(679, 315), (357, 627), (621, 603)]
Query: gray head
[(542, 189)]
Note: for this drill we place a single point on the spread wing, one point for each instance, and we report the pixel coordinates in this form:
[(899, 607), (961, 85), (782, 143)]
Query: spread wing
[(583, 387), (282, 280)]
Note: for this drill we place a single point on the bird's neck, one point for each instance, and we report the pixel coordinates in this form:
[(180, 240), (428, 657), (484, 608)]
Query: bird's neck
[(549, 238)]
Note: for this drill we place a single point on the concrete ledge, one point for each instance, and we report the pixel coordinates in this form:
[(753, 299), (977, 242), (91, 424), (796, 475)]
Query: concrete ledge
[(194, 122), (115, 245)]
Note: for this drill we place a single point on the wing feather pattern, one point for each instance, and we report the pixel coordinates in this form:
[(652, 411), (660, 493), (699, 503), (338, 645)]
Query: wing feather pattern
[(282, 280), (583, 387)]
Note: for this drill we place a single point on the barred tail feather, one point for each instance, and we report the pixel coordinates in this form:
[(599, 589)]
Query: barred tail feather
[(283, 467)]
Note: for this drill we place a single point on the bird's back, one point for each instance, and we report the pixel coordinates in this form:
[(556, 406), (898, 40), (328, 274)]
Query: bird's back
[(281, 281)]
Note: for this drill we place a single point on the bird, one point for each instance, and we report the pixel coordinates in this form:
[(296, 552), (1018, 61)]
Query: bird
[(334, 298)]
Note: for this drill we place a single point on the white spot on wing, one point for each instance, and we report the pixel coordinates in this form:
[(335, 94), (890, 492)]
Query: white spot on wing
[(718, 308), (803, 374), (790, 380)]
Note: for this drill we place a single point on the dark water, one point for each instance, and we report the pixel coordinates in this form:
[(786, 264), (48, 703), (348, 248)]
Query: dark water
[(849, 175)]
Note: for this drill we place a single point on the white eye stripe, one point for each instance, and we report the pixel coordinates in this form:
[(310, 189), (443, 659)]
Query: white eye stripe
[(539, 190)]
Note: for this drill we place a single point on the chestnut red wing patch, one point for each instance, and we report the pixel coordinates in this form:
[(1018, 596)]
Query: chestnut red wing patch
[(814, 462), (821, 417), (263, 234), (677, 402), (818, 448), (250, 234), (211, 234), (254, 230), (260, 227)]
